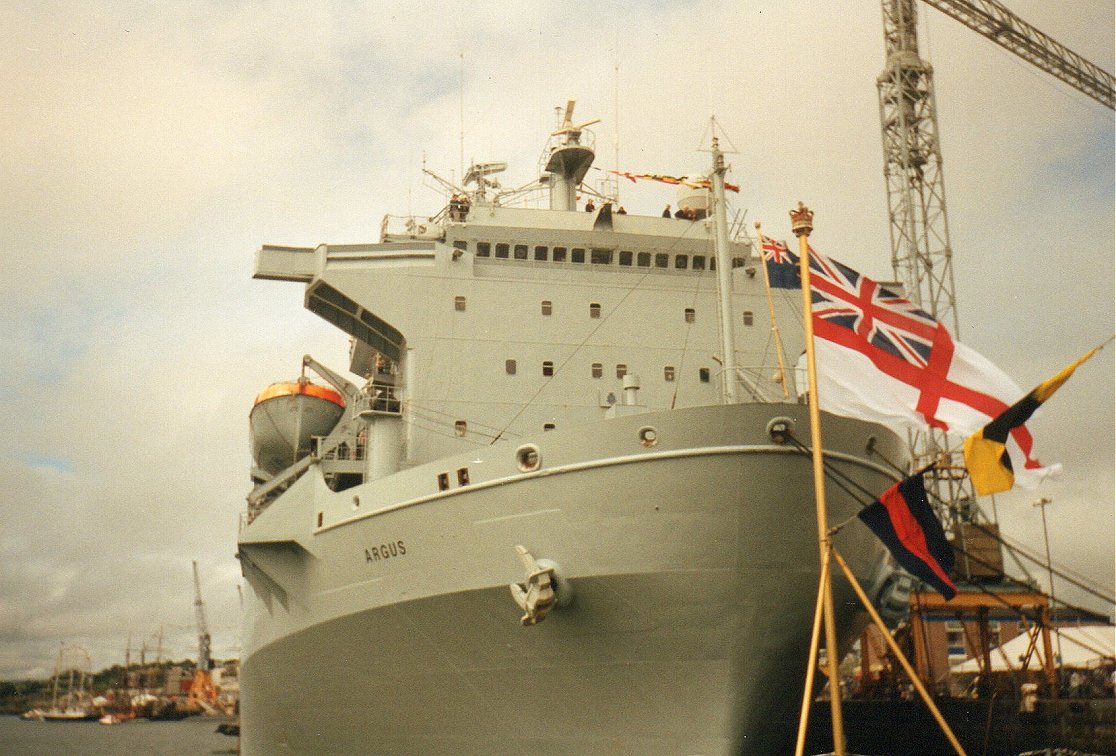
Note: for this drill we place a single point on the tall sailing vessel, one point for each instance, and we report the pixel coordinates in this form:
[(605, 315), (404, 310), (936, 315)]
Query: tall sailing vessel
[(554, 510)]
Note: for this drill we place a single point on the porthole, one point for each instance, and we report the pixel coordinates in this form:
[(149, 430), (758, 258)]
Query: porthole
[(648, 436), (528, 458)]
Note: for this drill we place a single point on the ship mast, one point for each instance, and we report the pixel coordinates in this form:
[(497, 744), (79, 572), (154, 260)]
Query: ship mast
[(569, 160), (724, 276)]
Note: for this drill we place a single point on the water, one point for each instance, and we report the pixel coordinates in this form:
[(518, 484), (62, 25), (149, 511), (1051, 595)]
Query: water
[(195, 736)]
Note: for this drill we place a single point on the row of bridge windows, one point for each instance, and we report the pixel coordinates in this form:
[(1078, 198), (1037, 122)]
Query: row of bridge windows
[(688, 314), (595, 256)]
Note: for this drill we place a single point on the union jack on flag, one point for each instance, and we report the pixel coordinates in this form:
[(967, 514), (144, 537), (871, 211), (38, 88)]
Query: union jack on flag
[(880, 318), (781, 264), (883, 358)]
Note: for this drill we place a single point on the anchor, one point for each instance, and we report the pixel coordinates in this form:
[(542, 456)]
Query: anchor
[(536, 597)]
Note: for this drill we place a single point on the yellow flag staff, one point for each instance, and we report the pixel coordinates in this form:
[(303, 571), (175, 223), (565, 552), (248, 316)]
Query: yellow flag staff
[(802, 221), (771, 312)]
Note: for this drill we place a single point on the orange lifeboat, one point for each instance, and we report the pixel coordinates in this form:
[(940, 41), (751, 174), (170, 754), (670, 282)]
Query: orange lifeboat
[(286, 417)]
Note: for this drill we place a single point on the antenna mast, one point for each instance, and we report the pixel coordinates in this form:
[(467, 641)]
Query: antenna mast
[(461, 114)]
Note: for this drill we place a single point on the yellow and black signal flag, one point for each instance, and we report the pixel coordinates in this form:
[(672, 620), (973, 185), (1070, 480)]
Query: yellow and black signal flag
[(986, 455)]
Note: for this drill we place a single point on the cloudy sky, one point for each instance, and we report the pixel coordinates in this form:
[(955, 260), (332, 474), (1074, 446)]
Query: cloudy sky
[(149, 149)]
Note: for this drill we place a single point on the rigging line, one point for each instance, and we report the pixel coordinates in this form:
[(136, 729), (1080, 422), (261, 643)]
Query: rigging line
[(806, 452), (833, 473), (616, 308), (685, 342), (443, 430), (434, 411), (1059, 569), (1095, 593), (1015, 549), (1083, 644)]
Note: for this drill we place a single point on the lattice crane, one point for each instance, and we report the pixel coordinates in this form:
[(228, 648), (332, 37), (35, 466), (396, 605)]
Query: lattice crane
[(921, 255), (202, 688)]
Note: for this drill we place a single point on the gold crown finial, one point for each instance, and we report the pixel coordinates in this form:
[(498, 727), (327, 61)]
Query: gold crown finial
[(802, 220)]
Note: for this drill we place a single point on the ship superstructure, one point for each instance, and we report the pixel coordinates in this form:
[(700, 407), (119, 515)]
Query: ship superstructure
[(584, 405)]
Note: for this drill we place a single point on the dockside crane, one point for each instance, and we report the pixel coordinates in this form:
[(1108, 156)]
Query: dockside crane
[(921, 254), (202, 689)]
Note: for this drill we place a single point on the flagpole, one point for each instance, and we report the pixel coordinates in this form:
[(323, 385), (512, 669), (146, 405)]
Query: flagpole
[(915, 680), (802, 224), (771, 312), (811, 664)]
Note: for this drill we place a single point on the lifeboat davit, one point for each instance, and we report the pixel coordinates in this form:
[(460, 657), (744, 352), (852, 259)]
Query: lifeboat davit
[(285, 418)]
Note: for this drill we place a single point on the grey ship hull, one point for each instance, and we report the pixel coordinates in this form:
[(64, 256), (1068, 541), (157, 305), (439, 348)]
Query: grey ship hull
[(390, 628)]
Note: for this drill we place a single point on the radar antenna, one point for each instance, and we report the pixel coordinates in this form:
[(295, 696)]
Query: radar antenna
[(568, 127)]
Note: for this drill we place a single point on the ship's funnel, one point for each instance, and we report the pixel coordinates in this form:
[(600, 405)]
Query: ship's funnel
[(286, 417)]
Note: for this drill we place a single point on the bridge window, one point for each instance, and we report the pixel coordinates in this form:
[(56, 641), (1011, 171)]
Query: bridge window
[(749, 318), (484, 249), (502, 251), (625, 257), (738, 262), (680, 262), (540, 253), (520, 252), (688, 315), (643, 260), (621, 371), (601, 256), (598, 370), (548, 368), (459, 304), (662, 260), (559, 254), (699, 262), (668, 373), (594, 310), (548, 426), (461, 245), (547, 308), (577, 255), (509, 366)]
